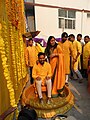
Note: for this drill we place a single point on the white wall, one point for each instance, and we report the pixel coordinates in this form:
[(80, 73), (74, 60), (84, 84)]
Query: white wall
[(46, 18), (87, 27), (47, 21)]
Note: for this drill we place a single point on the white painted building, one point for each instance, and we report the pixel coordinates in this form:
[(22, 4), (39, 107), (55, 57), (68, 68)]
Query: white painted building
[(52, 17)]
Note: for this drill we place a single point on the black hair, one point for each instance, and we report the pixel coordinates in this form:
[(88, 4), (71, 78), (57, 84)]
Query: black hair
[(79, 35), (41, 53), (86, 36), (72, 35), (30, 39), (64, 34), (47, 50), (27, 114)]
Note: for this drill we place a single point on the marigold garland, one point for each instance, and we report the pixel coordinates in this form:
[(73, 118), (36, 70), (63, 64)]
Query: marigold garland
[(15, 12), (6, 66), (12, 46), (13, 54)]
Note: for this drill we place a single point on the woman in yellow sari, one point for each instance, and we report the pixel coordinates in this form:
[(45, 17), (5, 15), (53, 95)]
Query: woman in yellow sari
[(56, 59)]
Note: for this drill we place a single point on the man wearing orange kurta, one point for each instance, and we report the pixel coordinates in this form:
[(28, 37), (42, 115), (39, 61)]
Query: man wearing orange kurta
[(67, 49), (86, 53), (80, 64), (31, 57), (42, 76), (76, 56)]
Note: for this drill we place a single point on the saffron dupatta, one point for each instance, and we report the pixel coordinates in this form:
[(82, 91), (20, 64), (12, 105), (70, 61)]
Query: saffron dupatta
[(58, 72)]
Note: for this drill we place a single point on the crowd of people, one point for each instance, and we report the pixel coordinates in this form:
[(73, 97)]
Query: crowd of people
[(68, 58)]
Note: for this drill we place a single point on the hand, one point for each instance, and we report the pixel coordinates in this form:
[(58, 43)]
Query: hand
[(27, 65), (38, 78), (43, 83), (88, 69), (37, 62), (74, 60), (53, 55)]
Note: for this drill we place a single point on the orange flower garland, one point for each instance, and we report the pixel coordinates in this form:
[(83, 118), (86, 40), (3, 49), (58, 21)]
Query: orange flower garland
[(6, 65)]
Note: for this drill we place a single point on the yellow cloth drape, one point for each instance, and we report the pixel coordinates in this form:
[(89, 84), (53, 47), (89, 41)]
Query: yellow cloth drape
[(39, 48)]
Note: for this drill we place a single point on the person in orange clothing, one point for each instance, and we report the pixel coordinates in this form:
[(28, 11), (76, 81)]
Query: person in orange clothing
[(56, 58), (67, 49), (31, 56), (80, 64), (86, 53), (42, 76), (77, 50), (88, 72)]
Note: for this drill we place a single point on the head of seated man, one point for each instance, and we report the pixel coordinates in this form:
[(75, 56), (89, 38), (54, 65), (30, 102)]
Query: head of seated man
[(27, 114)]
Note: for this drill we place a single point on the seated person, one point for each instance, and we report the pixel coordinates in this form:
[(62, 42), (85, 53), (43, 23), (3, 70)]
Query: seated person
[(42, 76)]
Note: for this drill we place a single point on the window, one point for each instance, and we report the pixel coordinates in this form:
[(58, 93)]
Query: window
[(66, 18), (88, 15), (30, 15)]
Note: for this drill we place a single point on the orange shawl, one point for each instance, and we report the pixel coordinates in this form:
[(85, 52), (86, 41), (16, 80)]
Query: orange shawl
[(58, 72)]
